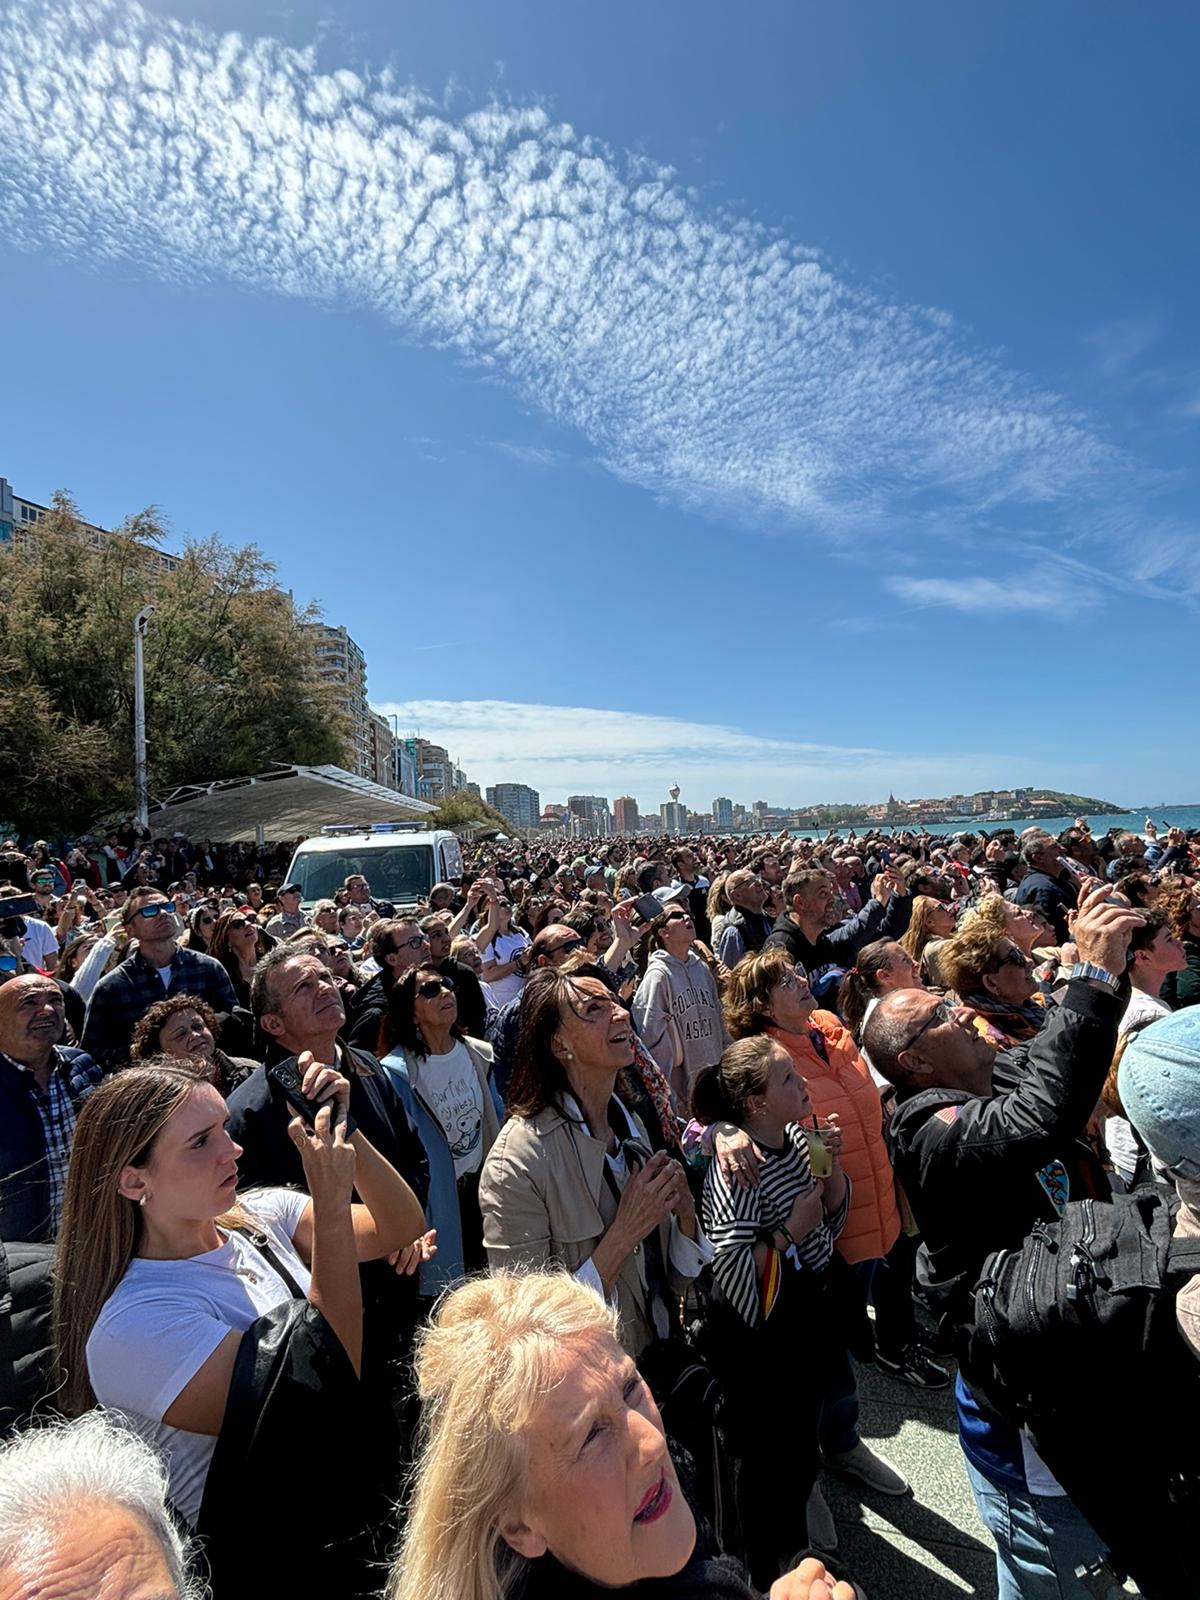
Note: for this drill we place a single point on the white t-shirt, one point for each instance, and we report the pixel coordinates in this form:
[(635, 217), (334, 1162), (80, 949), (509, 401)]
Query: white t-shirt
[(165, 1318), (450, 1087), (502, 948), (39, 944)]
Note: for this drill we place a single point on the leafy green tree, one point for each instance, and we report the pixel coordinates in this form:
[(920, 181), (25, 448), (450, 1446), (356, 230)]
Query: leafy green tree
[(230, 681), (462, 808)]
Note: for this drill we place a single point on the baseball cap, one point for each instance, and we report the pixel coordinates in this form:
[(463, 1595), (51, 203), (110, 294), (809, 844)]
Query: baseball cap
[(1159, 1084), (825, 981), (671, 893), (291, 888)]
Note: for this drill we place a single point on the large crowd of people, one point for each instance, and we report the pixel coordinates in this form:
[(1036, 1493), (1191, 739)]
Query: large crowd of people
[(563, 1209)]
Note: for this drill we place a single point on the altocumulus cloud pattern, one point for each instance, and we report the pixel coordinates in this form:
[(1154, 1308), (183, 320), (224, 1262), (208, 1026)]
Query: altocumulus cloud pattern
[(699, 355)]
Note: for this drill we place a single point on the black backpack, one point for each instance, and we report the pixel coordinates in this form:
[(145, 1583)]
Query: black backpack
[(1073, 1336), (26, 1307)]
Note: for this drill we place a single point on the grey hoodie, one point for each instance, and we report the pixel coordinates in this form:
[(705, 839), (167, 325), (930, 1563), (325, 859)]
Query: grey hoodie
[(678, 1014)]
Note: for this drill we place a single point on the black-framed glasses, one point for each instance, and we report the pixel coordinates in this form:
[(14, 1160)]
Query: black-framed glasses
[(942, 1012), (434, 986), (1014, 957), (410, 944)]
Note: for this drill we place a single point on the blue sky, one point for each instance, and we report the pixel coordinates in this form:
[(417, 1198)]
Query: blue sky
[(795, 402)]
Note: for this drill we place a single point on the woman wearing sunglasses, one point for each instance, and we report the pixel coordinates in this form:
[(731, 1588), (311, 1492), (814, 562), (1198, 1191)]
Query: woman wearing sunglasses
[(444, 1079), (677, 1008), (237, 942), (201, 923), (990, 972), (504, 948)]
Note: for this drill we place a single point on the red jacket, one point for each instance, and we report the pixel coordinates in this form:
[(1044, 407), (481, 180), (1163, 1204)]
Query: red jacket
[(844, 1086)]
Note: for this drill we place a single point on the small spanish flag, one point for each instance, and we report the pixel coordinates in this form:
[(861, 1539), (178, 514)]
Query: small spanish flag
[(769, 1281)]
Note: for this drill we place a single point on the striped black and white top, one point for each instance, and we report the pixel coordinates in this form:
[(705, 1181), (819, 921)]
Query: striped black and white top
[(735, 1220)]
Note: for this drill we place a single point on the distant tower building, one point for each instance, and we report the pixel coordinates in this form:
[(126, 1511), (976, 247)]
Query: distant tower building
[(517, 803), (592, 813), (625, 813), (722, 814), (674, 816)]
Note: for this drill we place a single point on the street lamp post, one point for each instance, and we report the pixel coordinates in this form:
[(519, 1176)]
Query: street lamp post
[(140, 786)]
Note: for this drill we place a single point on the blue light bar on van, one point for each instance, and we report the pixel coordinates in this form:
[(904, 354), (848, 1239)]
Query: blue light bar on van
[(334, 829)]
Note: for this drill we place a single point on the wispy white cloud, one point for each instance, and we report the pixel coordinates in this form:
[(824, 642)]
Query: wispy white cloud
[(531, 455), (1043, 587), (563, 750), (1119, 345), (699, 354)]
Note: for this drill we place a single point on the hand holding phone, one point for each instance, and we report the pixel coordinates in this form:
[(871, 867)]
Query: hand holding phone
[(647, 907), (308, 1085)]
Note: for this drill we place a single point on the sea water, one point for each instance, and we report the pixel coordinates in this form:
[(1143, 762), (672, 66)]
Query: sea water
[(1129, 821)]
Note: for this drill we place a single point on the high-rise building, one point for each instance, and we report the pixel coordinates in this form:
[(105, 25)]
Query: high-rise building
[(625, 814), (340, 662), (593, 813), (673, 816), (437, 776), (18, 515), (383, 758), (517, 803), (722, 813)]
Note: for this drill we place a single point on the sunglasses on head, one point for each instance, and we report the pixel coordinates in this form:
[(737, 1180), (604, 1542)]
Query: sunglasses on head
[(434, 986)]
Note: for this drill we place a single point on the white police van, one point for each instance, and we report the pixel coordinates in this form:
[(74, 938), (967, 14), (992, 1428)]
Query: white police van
[(400, 860)]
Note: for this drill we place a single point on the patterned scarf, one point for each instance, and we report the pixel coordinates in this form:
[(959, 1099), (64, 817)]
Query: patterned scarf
[(1016, 1023)]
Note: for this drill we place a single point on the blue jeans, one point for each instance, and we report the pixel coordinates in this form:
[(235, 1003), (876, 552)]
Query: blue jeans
[(1040, 1540)]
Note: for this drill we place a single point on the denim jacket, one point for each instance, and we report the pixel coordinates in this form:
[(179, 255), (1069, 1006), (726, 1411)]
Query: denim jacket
[(446, 1268)]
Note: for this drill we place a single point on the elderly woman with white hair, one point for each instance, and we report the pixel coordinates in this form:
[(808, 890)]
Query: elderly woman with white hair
[(83, 1513), (545, 1471)]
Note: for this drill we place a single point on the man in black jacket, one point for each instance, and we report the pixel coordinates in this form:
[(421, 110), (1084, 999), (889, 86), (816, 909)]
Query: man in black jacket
[(298, 1007), (986, 1147), (394, 944), (806, 928), (1047, 884)]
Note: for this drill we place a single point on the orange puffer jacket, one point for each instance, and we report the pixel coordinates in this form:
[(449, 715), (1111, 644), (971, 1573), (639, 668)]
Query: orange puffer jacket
[(843, 1086)]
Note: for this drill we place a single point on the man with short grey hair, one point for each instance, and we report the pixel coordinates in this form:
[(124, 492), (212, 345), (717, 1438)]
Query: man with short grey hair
[(83, 1514)]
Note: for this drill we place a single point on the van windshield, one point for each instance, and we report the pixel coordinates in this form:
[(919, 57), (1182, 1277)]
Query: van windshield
[(399, 873)]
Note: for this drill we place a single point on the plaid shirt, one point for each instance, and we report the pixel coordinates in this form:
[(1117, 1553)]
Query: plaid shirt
[(73, 1078), (123, 997)]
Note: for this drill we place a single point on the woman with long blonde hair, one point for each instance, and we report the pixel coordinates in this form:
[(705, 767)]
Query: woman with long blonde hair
[(932, 921), (544, 1468)]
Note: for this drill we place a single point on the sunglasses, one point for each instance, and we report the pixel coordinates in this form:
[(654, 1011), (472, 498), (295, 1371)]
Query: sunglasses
[(204, 920), (677, 916), (565, 948), (1012, 957), (239, 923), (942, 1012), (434, 986), (151, 911)]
